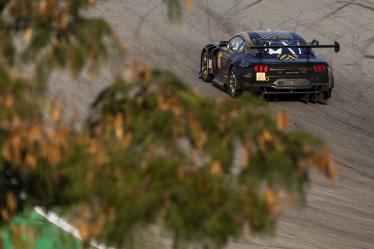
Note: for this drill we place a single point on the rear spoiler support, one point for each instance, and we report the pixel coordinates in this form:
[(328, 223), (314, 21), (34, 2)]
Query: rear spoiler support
[(336, 46)]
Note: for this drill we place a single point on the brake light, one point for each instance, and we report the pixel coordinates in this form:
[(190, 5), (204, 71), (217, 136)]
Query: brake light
[(320, 68), (261, 68)]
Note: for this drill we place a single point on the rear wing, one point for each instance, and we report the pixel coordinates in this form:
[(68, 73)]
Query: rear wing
[(336, 46)]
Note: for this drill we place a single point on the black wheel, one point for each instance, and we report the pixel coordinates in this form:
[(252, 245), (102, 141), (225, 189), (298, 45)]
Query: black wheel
[(233, 87), (327, 94), (205, 75)]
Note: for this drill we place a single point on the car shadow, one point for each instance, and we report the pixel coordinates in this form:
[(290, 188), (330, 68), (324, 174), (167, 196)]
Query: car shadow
[(302, 98), (282, 98)]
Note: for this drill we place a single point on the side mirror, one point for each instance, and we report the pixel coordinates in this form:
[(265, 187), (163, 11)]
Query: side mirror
[(223, 43), (225, 48)]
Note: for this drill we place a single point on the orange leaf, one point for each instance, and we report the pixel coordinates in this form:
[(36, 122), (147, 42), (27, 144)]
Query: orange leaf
[(16, 145), (92, 147), (31, 161), (64, 19), (198, 133), (272, 202), (189, 5), (128, 75), (5, 215), (55, 114), (83, 228), (9, 101), (128, 137), (53, 155), (147, 72), (282, 121), (180, 173), (11, 202), (216, 168), (98, 226), (54, 41), (16, 122), (267, 135), (34, 133), (42, 6), (118, 123), (331, 169), (101, 157), (27, 35), (245, 156), (6, 152)]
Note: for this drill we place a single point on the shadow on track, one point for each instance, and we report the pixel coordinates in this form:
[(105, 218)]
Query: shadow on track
[(273, 98)]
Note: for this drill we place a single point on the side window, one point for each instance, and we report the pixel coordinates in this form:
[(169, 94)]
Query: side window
[(241, 48), (236, 44)]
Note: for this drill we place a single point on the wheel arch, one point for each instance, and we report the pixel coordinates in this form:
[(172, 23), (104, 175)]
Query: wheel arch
[(211, 50), (233, 67), (205, 50)]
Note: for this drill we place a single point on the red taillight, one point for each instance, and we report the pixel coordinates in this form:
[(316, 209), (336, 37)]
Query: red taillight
[(261, 68), (320, 68)]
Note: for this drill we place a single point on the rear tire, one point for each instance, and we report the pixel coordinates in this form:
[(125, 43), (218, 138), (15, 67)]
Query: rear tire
[(327, 94), (204, 68), (233, 86)]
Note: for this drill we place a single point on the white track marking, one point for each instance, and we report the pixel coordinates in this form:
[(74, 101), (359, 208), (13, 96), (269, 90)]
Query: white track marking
[(65, 226)]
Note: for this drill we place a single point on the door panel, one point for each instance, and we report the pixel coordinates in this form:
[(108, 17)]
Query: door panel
[(234, 46), (226, 62)]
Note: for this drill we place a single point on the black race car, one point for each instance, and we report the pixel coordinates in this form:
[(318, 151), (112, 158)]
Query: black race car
[(269, 63)]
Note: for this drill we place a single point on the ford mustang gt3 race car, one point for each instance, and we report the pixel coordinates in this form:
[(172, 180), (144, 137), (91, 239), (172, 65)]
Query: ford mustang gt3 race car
[(269, 63)]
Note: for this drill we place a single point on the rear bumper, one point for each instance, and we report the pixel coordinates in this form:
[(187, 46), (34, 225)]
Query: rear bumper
[(269, 91), (312, 88)]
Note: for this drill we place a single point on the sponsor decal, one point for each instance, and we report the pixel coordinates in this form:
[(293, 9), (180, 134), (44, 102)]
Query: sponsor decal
[(219, 60), (288, 57)]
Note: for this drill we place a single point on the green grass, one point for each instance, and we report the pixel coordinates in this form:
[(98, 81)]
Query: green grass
[(32, 231)]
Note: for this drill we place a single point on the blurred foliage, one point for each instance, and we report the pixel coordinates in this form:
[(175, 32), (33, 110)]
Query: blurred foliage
[(175, 9), (54, 34), (152, 151)]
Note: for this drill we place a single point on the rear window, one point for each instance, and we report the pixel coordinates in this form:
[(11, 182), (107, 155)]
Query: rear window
[(283, 51)]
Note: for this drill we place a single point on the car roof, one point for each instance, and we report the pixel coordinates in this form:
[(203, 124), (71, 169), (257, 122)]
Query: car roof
[(274, 35)]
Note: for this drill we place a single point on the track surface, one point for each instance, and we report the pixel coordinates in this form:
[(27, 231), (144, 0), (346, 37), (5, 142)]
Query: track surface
[(337, 216)]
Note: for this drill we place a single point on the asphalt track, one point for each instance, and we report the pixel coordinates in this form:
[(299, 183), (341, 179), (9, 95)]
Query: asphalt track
[(337, 216)]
